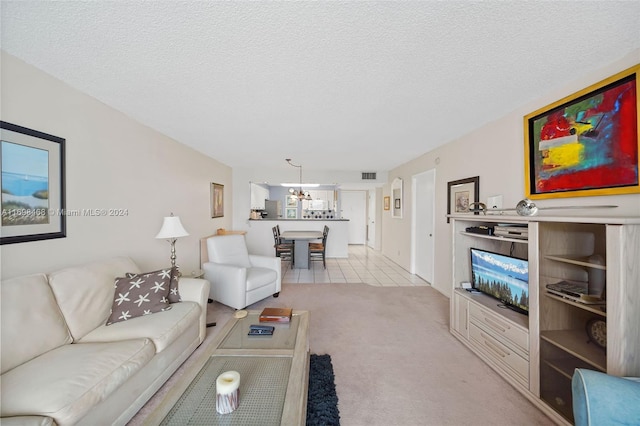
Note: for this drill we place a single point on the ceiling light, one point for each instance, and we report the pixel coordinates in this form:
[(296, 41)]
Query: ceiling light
[(302, 195)]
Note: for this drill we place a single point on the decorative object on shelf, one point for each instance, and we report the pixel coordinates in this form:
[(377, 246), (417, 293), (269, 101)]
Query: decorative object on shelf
[(387, 202), (478, 207), (171, 230), (396, 193), (459, 194), (527, 207), (597, 332), (302, 195), (587, 143), (217, 200), (33, 186)]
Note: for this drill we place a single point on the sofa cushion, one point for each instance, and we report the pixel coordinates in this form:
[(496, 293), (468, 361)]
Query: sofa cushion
[(228, 250), (259, 277), (32, 323), (139, 295), (85, 293), (162, 328), (84, 374)]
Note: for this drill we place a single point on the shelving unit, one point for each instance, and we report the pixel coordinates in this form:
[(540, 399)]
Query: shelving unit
[(558, 248)]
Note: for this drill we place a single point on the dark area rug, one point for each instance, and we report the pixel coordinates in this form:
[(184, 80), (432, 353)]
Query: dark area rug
[(322, 403)]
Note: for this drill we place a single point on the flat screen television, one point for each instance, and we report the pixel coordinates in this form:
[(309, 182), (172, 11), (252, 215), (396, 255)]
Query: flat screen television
[(503, 277)]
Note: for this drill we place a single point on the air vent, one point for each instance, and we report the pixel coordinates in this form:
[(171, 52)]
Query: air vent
[(368, 175)]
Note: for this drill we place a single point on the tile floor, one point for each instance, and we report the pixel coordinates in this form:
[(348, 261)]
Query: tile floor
[(364, 265)]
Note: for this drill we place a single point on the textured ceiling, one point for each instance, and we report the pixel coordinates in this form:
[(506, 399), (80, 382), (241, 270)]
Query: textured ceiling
[(362, 86)]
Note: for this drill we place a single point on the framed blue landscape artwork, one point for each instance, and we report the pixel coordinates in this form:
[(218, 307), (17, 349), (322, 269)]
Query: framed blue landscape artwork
[(32, 181)]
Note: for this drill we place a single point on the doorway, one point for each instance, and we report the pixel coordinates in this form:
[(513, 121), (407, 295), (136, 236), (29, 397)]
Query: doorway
[(371, 219), (423, 224), (354, 208)]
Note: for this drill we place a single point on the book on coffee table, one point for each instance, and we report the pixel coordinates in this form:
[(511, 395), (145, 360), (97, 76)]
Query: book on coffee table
[(276, 315)]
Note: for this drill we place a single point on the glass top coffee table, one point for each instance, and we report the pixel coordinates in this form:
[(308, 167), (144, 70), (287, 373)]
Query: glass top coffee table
[(274, 376)]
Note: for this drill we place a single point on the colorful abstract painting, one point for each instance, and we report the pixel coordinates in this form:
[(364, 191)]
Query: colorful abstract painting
[(586, 144)]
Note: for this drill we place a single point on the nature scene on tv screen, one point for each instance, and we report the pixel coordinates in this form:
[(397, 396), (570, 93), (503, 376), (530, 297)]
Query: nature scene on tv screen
[(503, 277)]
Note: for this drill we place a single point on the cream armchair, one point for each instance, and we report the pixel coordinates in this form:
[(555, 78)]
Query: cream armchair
[(239, 279)]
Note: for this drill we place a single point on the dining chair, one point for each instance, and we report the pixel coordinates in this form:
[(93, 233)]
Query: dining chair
[(285, 251), (282, 240), (317, 251)]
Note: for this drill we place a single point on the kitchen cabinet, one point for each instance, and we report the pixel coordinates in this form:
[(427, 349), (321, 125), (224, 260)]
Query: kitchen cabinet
[(320, 200), (259, 193)]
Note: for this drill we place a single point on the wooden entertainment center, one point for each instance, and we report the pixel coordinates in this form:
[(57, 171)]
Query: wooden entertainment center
[(538, 353)]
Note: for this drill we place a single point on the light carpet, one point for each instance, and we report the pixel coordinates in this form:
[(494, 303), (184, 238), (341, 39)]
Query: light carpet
[(394, 359)]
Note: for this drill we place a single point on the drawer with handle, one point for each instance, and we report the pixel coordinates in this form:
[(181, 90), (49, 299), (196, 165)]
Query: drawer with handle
[(512, 363), (497, 326)]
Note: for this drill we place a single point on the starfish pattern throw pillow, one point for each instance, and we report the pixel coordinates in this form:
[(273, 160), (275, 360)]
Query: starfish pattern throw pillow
[(140, 294), (174, 293)]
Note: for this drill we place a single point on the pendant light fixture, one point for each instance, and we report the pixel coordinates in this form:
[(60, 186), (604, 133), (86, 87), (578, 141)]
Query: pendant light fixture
[(302, 195)]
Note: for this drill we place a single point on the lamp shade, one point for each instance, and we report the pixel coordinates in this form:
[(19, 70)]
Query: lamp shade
[(172, 228)]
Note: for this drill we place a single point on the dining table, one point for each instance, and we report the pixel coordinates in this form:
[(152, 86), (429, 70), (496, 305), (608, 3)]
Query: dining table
[(301, 243)]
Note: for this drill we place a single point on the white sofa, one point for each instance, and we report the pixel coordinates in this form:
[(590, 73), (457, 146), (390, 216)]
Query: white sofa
[(61, 365)]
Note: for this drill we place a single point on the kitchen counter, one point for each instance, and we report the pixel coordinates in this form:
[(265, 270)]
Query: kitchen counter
[(260, 236)]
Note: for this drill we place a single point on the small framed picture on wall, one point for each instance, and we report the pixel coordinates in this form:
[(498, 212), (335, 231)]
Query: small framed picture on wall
[(461, 193), (292, 213), (217, 200)]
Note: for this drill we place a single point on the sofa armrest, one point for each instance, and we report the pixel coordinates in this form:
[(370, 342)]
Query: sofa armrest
[(196, 290), (268, 262), (600, 398)]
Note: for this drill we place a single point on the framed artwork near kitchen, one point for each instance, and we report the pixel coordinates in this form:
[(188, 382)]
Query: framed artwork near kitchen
[(291, 201), (587, 143), (217, 200), (291, 213), (33, 185)]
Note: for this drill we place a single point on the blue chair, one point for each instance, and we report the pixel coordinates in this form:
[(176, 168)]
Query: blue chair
[(602, 399)]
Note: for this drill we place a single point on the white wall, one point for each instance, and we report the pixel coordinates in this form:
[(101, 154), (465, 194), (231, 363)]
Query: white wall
[(111, 162), (495, 152)]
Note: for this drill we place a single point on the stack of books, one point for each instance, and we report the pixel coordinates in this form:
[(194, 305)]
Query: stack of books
[(276, 315)]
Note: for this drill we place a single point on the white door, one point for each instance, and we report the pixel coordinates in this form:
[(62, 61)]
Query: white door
[(423, 245), (371, 219), (354, 208)]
